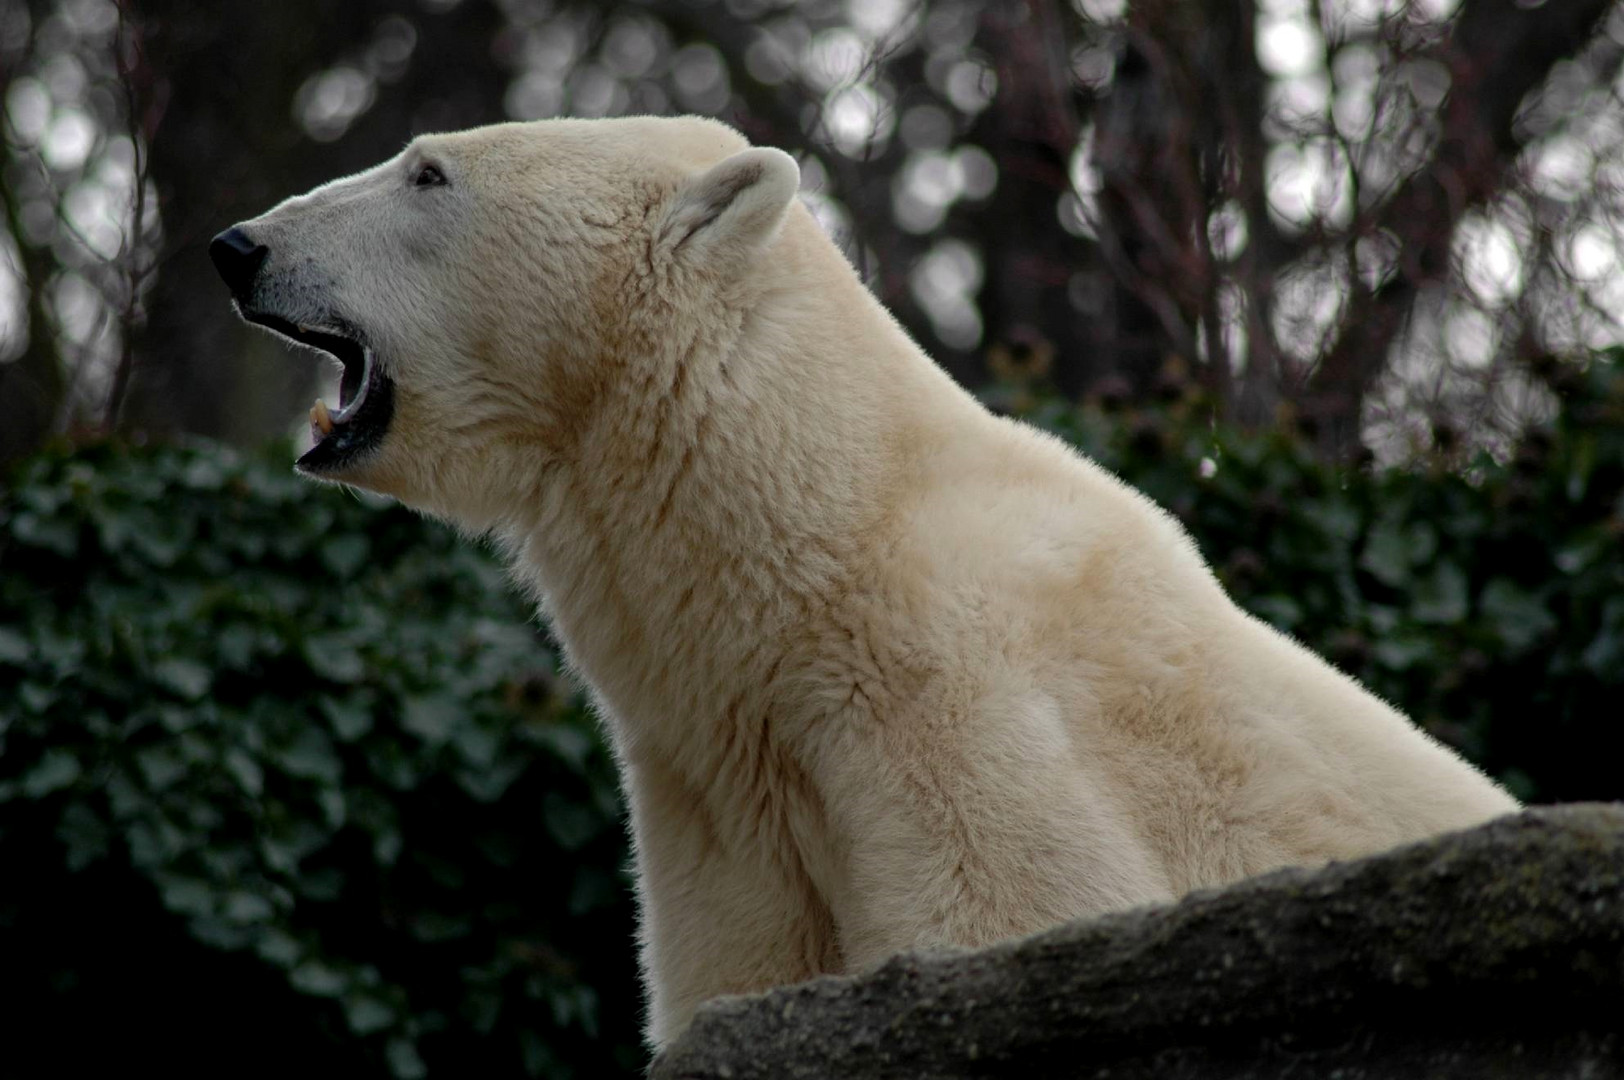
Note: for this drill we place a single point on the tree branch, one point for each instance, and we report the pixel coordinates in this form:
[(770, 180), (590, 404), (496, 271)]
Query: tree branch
[(1500, 51)]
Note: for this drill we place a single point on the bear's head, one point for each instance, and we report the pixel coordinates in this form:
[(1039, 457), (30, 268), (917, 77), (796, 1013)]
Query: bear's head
[(489, 292)]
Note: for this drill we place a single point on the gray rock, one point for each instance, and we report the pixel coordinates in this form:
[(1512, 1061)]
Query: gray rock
[(1495, 952)]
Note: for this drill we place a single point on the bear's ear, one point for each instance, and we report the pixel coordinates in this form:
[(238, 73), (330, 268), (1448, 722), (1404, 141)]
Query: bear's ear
[(731, 209)]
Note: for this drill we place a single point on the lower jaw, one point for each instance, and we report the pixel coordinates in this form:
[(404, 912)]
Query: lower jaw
[(357, 437)]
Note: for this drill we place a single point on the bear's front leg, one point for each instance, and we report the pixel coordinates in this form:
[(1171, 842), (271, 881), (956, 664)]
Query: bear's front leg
[(972, 829), (717, 915)]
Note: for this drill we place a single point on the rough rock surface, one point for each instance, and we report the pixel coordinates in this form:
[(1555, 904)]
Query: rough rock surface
[(1495, 952)]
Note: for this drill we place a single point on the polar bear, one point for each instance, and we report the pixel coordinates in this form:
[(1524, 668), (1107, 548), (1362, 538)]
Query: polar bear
[(881, 670)]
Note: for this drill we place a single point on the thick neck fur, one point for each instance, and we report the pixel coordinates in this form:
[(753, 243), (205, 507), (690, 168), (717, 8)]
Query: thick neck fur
[(723, 500)]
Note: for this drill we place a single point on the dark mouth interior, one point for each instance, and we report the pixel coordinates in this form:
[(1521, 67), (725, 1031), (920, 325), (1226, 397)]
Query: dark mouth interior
[(346, 350), (366, 401)]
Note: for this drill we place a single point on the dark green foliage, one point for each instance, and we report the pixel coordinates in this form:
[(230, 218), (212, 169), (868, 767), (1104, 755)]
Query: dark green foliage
[(322, 738), (286, 778)]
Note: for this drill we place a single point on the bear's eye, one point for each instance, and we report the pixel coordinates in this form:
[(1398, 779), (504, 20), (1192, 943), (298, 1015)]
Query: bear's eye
[(429, 176)]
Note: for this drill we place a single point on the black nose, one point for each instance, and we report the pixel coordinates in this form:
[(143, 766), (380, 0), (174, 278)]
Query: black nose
[(237, 258)]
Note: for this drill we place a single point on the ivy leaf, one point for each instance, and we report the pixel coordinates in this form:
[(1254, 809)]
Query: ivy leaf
[(437, 926), (569, 744), (36, 697), (1277, 609), (1392, 549), (242, 906), (160, 538), (52, 534), (63, 653), (334, 657), (188, 678), (345, 554), (188, 895), (367, 1014), (1440, 597), (55, 770), (319, 978), (431, 717), (14, 647), (1401, 652), (220, 933), (404, 1061), (488, 784), (1518, 616), (568, 822), (311, 756), (1604, 656), (84, 834), (351, 719), (1335, 516), (245, 770), (160, 766), (203, 473), (279, 948), (477, 745)]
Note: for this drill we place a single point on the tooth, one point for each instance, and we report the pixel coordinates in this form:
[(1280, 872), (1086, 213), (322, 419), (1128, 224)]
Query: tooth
[(321, 417)]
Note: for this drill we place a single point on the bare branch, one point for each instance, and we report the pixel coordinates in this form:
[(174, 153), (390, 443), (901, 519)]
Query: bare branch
[(1498, 53)]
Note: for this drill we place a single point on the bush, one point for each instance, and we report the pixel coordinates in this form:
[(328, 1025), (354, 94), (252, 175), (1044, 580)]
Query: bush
[(288, 778)]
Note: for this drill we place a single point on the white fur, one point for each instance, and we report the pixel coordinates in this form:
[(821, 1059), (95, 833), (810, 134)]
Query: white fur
[(882, 670)]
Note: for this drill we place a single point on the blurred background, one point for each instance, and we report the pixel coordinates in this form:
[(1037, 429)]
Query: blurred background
[(1369, 216), (287, 776)]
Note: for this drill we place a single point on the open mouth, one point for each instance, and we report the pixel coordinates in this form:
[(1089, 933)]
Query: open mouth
[(366, 396)]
